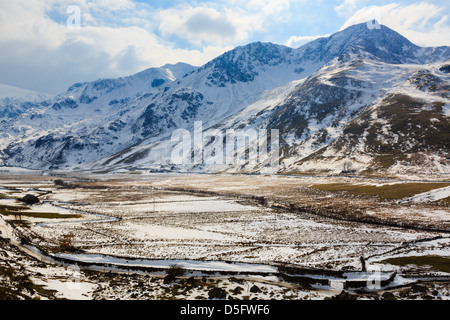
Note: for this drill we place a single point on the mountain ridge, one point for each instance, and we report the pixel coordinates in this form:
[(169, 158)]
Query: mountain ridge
[(312, 94), (15, 100)]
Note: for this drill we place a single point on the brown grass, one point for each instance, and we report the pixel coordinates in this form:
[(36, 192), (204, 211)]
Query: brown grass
[(22, 212), (387, 192), (436, 263)]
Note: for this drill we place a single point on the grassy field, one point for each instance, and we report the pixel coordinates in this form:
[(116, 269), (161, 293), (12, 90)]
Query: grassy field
[(23, 212), (386, 192), (11, 210), (436, 263)]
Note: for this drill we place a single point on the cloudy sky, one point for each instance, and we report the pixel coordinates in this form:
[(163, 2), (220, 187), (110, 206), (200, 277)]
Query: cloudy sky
[(47, 45)]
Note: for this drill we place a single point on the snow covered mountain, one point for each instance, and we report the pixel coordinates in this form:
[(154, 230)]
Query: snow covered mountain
[(14, 100), (364, 98), (83, 120)]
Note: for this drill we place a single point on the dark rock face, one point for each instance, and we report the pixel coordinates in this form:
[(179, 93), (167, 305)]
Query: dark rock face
[(87, 99), (158, 82), (445, 69), (30, 199), (150, 120), (388, 296), (234, 66), (169, 279), (255, 289), (344, 295), (66, 103), (217, 293)]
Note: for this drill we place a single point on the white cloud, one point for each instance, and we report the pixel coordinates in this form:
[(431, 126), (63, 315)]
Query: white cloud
[(297, 41), (121, 37), (269, 7), (25, 21), (47, 56), (200, 25), (347, 7), (224, 23), (422, 23)]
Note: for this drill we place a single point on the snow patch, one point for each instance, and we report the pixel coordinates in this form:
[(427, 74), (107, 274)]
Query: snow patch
[(429, 196)]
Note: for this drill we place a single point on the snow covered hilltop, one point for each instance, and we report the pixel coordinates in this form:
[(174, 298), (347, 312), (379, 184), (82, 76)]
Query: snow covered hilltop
[(364, 99)]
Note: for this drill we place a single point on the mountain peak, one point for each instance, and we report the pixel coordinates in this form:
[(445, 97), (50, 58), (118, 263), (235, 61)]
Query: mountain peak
[(378, 40), (178, 70), (259, 52), (373, 24), (244, 63)]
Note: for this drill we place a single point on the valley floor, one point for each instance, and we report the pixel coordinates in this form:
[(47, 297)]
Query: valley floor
[(190, 236)]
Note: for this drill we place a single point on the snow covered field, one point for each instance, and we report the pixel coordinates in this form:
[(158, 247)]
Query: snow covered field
[(157, 221)]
